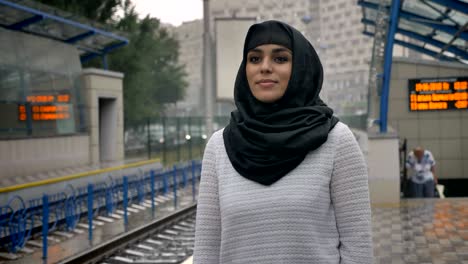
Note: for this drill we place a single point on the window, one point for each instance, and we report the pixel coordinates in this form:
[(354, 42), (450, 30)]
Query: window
[(44, 97), (252, 9), (277, 15), (10, 83), (300, 13), (216, 13)]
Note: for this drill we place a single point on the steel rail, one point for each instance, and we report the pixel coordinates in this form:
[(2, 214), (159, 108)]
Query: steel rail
[(107, 249)]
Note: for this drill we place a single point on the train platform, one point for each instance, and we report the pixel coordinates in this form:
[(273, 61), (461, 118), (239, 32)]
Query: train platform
[(419, 231), (409, 232), (53, 174), (63, 245)]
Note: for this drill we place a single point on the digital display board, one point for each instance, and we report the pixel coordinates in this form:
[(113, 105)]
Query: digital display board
[(438, 94), (46, 107)]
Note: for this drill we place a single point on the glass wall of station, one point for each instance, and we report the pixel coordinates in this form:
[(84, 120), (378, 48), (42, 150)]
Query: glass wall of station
[(40, 89)]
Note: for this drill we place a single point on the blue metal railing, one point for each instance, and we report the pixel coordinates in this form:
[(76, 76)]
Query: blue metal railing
[(64, 210)]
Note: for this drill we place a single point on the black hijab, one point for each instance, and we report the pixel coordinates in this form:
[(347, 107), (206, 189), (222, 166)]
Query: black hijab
[(265, 141)]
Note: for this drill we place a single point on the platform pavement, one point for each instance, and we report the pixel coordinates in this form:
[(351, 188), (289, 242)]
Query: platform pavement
[(416, 231), (40, 176), (62, 248)]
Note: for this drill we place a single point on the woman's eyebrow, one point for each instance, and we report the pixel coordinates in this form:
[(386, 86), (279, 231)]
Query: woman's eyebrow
[(256, 50), (278, 50)]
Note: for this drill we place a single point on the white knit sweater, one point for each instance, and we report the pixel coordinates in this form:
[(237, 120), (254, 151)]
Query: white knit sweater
[(318, 213)]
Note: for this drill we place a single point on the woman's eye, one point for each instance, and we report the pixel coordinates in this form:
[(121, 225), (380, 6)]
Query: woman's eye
[(281, 59), (254, 59)]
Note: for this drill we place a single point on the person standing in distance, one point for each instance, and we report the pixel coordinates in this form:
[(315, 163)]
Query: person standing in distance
[(423, 179), (285, 181)]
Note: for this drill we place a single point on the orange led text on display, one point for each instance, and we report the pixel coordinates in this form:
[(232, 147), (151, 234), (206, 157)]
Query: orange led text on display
[(435, 86), (438, 95), (61, 98), (460, 85), (43, 108)]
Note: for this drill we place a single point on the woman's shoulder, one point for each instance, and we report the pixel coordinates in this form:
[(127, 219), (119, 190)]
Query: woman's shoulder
[(341, 130), (217, 135), (216, 139), (342, 137)]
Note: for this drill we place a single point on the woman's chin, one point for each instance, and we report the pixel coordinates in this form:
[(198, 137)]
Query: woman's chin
[(268, 98)]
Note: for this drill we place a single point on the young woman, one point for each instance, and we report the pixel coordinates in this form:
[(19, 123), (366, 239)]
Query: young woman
[(285, 181)]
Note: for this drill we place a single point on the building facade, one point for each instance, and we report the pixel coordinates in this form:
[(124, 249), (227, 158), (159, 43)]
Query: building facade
[(346, 57), (190, 37), (333, 28), (55, 114)]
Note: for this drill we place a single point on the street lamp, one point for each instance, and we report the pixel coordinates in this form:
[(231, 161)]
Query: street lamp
[(207, 71)]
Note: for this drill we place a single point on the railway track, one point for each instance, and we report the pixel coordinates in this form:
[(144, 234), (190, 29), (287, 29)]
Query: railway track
[(164, 241)]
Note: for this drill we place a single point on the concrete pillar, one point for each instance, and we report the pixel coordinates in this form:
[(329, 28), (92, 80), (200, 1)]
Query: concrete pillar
[(104, 95), (384, 168)]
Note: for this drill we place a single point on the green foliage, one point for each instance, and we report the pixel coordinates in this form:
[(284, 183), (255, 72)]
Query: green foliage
[(149, 62), (153, 77), (97, 10)]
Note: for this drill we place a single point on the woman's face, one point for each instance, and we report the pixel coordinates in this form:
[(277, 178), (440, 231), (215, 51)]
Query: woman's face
[(268, 71)]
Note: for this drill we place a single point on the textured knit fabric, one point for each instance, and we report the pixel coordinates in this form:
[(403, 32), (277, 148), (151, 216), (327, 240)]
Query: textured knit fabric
[(318, 213)]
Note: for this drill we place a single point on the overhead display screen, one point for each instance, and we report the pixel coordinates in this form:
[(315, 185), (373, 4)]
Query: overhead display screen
[(46, 107), (438, 94)]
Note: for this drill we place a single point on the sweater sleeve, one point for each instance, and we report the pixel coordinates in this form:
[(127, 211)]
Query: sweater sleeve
[(350, 198), (208, 220)]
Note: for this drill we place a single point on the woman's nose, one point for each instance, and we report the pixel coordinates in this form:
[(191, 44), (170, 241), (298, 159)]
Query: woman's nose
[(265, 66)]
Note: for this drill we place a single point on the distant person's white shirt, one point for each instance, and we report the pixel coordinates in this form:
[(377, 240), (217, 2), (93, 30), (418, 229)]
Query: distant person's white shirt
[(421, 171)]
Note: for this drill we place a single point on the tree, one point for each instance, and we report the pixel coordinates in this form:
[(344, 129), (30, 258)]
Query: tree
[(101, 11), (149, 62), (152, 74)]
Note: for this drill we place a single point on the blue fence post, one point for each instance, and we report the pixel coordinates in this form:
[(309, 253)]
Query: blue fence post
[(125, 199), (140, 186), (174, 186), (45, 224), (109, 208), (165, 184), (71, 215), (90, 212), (193, 180), (152, 190), (184, 178)]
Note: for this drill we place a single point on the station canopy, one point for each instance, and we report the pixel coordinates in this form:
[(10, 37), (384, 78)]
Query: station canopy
[(438, 28), (34, 18)]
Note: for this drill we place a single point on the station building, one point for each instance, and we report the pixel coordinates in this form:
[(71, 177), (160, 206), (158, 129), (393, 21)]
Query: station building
[(54, 113), (423, 102)]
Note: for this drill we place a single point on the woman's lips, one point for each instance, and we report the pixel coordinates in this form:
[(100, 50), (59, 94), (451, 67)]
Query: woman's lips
[(266, 83)]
